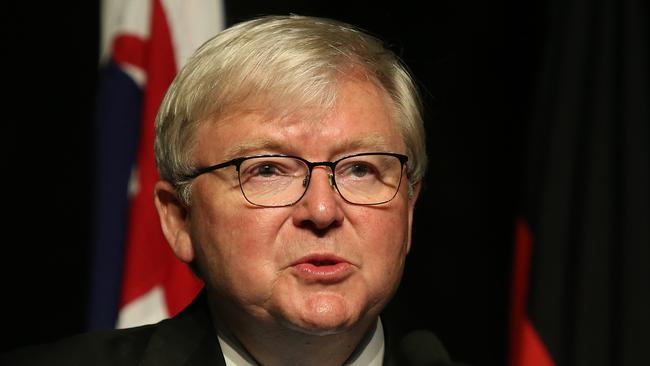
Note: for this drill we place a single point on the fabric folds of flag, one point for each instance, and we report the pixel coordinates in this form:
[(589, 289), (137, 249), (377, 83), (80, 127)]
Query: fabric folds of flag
[(581, 290), (133, 269)]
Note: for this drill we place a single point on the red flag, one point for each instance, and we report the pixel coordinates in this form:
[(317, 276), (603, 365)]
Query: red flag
[(153, 39), (526, 348), (582, 267)]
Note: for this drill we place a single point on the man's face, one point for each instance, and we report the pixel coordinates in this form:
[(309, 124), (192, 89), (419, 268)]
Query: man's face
[(322, 265)]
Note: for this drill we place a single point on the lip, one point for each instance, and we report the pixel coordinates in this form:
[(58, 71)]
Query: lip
[(322, 268)]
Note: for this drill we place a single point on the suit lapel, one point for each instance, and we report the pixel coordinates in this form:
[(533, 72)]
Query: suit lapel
[(190, 339), (187, 339)]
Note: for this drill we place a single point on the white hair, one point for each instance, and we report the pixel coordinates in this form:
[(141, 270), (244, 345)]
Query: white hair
[(288, 62)]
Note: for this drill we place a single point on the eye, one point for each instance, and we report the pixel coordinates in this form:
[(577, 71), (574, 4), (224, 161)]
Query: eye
[(265, 170), (357, 170), (360, 170), (268, 168)]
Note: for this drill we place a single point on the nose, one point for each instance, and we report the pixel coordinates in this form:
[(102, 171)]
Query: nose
[(320, 208)]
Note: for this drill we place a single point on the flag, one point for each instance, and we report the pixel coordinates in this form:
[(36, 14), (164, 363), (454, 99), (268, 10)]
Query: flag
[(134, 273), (581, 289)]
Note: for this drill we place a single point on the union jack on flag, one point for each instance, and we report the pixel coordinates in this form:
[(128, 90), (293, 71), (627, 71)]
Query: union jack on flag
[(135, 277)]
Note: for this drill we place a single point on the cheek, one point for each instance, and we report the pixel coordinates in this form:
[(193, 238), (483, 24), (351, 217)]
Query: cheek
[(385, 229), (234, 248), (384, 247)]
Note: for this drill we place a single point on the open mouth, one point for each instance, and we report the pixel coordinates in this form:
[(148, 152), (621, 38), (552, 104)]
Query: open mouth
[(320, 260), (322, 268), (326, 262)]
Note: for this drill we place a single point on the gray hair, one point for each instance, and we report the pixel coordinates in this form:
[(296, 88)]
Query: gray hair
[(288, 62)]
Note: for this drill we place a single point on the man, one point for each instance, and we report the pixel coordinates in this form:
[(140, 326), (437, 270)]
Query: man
[(291, 151)]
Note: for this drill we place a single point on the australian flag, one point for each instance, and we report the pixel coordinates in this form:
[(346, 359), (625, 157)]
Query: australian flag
[(135, 277)]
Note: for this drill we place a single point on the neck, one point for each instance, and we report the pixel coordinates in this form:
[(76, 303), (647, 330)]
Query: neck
[(272, 344)]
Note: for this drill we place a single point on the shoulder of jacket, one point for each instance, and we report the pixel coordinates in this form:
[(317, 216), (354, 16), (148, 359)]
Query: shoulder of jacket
[(101, 348)]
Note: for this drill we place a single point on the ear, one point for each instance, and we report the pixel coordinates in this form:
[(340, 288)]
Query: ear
[(174, 220), (413, 197)]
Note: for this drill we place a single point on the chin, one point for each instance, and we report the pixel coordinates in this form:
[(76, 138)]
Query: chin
[(325, 314), (318, 327)]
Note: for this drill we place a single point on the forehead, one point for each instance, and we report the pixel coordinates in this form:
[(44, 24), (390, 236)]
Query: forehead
[(362, 118)]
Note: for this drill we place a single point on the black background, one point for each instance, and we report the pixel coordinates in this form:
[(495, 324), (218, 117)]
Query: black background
[(474, 61)]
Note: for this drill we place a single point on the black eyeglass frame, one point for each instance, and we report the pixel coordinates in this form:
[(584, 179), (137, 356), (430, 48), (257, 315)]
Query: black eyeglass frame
[(403, 159)]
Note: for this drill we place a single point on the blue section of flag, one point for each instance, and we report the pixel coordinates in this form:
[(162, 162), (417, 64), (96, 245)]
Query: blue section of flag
[(115, 134)]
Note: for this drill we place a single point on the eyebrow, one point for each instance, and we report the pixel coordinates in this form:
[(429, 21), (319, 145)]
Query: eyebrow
[(375, 142), (247, 147)]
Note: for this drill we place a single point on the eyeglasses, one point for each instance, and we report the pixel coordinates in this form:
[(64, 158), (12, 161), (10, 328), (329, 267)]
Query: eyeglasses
[(280, 180)]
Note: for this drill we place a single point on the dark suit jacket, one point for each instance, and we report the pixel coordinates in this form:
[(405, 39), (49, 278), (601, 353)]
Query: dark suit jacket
[(187, 339)]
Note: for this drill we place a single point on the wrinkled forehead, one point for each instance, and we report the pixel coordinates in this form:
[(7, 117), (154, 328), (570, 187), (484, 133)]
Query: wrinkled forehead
[(276, 124), (290, 102), (372, 143)]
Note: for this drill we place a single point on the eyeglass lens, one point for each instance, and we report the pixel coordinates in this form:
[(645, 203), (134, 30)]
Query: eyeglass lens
[(282, 181)]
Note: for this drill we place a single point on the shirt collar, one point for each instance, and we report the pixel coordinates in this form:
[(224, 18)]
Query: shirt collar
[(370, 351)]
